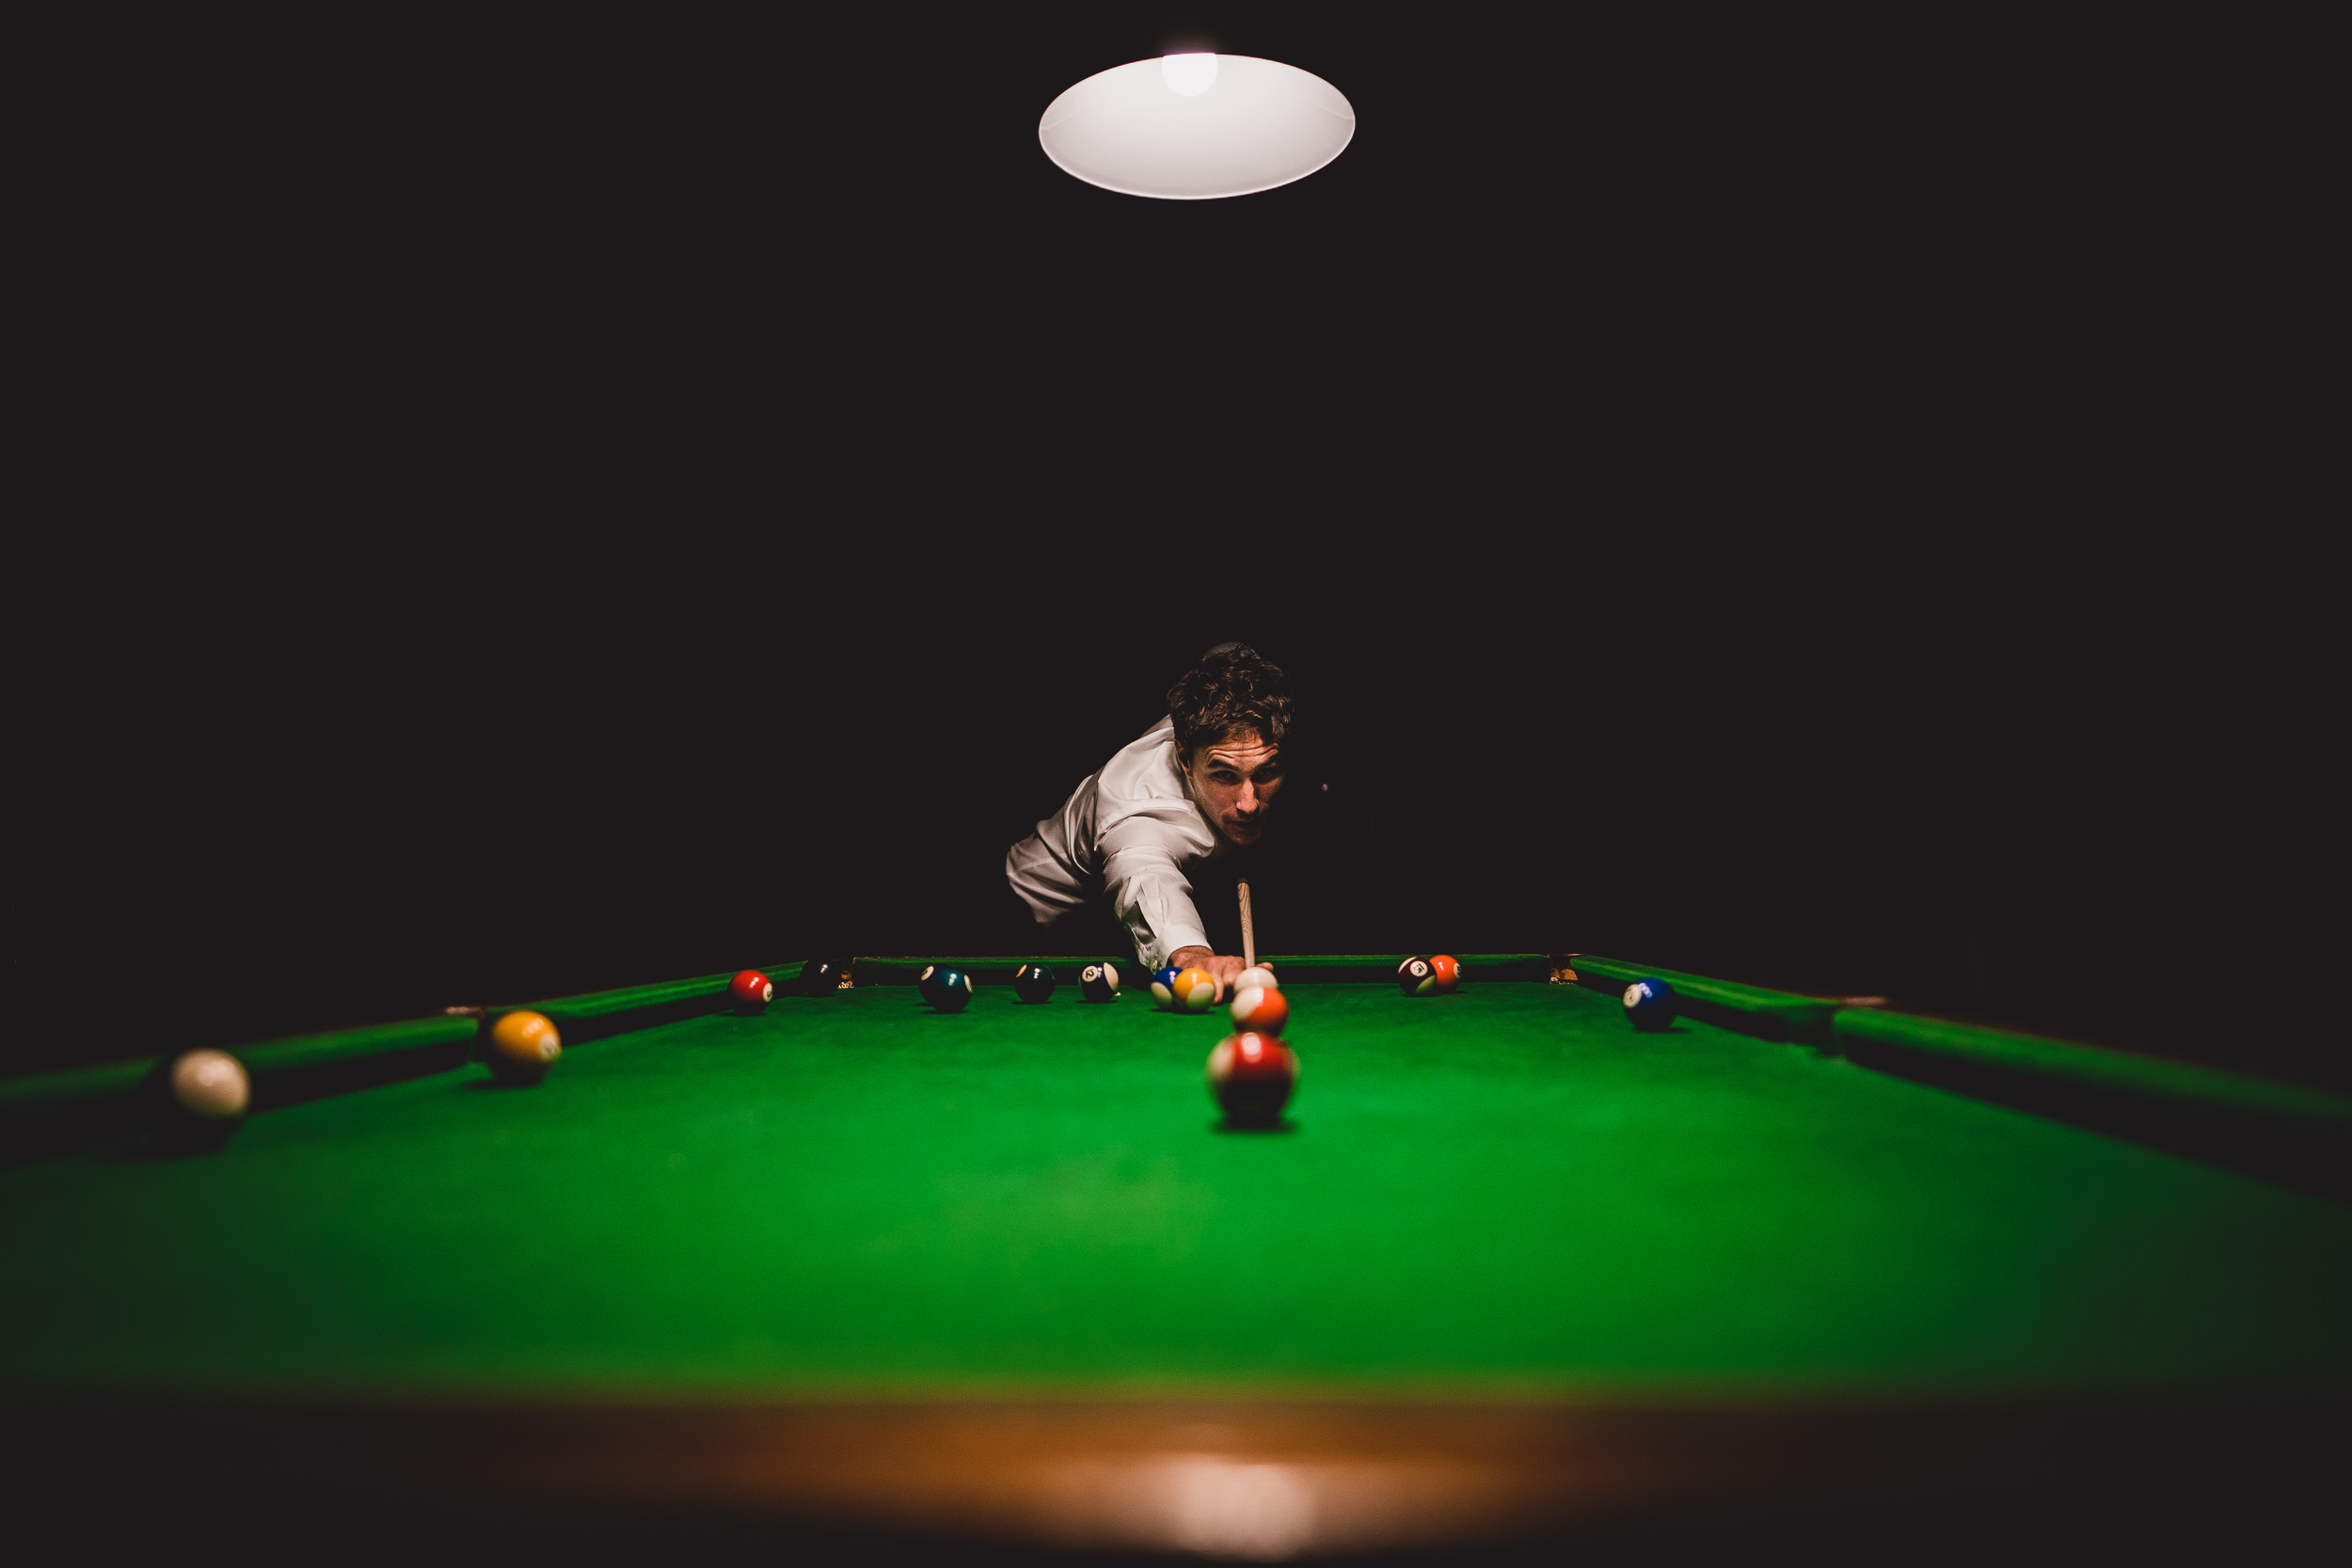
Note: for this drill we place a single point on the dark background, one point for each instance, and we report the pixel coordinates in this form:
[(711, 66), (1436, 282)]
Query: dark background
[(584, 503)]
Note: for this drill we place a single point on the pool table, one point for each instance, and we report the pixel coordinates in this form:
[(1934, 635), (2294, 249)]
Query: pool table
[(1507, 1271)]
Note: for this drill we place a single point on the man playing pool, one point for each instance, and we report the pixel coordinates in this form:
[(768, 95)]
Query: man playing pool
[(1195, 788)]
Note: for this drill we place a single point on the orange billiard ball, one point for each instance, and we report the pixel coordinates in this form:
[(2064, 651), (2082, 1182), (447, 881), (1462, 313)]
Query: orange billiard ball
[(1261, 1007), (1446, 971), (523, 1045)]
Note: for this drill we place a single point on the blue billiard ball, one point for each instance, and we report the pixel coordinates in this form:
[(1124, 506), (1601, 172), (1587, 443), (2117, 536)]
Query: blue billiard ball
[(951, 988), (1649, 1005), (923, 983), (1033, 982), (1163, 986)]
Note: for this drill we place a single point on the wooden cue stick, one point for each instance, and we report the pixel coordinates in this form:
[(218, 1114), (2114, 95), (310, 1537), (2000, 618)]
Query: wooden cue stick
[(1248, 937)]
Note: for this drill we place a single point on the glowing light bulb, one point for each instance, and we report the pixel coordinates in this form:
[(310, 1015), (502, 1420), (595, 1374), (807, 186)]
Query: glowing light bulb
[(1189, 74), (1194, 126)]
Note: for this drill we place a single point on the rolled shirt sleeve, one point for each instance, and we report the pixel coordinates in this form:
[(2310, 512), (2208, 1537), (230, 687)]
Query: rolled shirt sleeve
[(1129, 833), (1143, 861)]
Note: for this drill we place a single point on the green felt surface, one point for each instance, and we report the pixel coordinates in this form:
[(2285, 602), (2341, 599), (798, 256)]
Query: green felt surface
[(1501, 1190)]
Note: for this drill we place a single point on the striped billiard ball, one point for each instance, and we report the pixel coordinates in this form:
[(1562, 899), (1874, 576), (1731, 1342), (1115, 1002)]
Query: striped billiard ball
[(1163, 986), (1251, 1076), (1649, 1005), (1099, 982), (1259, 1007), (1448, 971)]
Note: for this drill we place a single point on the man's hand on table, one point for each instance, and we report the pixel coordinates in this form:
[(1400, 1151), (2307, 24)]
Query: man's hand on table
[(1227, 967)]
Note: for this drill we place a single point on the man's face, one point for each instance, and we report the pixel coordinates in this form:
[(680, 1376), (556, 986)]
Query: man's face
[(1235, 780)]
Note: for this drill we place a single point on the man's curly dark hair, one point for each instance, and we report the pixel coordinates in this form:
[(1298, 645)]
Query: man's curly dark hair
[(1231, 690)]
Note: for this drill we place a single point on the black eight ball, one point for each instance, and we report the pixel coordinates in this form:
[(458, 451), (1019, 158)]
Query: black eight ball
[(1034, 982)]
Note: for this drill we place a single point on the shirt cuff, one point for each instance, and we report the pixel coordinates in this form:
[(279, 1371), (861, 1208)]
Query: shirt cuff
[(1152, 947)]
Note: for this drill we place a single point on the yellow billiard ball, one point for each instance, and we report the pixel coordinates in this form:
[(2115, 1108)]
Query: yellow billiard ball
[(523, 1045), (1194, 990)]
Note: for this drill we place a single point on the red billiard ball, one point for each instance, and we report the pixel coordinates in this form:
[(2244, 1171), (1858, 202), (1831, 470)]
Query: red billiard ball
[(1251, 1076), (751, 988), (1446, 971)]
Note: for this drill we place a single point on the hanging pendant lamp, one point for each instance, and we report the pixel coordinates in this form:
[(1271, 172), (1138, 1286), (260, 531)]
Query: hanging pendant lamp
[(1192, 127)]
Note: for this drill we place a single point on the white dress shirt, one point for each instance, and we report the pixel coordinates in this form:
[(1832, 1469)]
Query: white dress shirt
[(1131, 831)]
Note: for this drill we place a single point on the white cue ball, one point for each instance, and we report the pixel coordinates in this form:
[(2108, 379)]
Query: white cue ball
[(211, 1086)]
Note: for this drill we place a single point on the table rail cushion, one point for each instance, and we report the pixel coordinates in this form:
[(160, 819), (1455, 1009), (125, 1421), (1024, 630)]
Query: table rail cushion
[(2283, 1133), (1772, 1015), (52, 1113)]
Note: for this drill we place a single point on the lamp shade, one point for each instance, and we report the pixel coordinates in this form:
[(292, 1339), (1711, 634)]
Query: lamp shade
[(1191, 127)]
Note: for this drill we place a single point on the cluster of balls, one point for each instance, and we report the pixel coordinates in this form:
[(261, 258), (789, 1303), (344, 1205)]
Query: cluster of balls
[(1428, 977), (521, 1046), (203, 1095), (1251, 1073), (200, 1097), (750, 990), (1097, 982), (949, 990), (1185, 991)]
